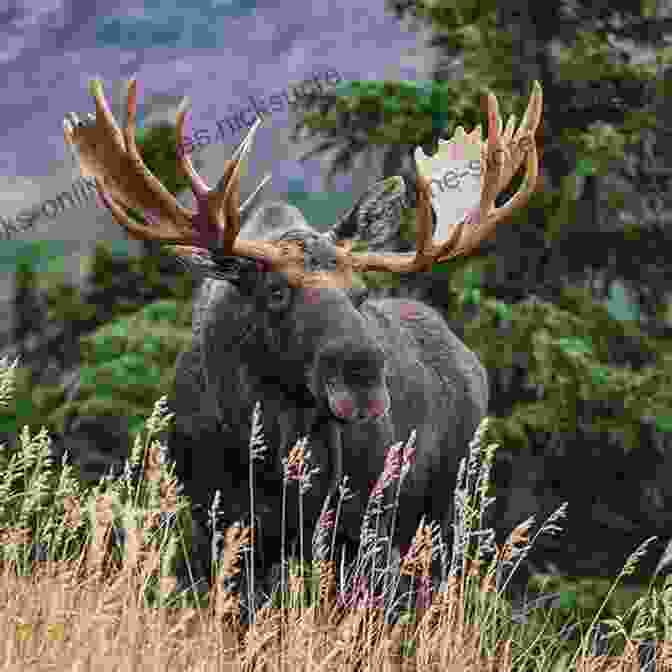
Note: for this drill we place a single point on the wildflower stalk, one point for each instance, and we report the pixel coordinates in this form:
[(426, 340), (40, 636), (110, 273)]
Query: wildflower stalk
[(250, 574), (549, 526), (295, 467), (257, 450), (373, 506), (321, 560), (344, 494), (283, 551), (301, 556), (408, 458), (216, 535), (7, 380)]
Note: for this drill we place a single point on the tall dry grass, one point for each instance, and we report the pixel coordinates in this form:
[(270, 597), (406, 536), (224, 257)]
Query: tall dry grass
[(72, 597)]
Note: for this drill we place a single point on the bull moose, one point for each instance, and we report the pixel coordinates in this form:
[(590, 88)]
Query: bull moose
[(278, 320)]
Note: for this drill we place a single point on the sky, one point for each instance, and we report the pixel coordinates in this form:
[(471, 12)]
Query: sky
[(217, 52)]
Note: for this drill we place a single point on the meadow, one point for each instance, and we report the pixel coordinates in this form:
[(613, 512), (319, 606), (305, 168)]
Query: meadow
[(88, 579)]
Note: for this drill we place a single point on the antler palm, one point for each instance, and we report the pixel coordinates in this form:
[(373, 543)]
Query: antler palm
[(111, 156)]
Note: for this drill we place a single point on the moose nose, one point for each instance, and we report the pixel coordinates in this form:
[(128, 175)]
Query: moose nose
[(377, 407), (344, 408)]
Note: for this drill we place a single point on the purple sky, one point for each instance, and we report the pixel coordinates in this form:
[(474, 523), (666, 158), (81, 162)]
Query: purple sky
[(217, 52), (47, 55)]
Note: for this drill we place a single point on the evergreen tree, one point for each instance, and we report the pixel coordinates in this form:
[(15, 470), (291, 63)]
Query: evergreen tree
[(116, 289), (158, 147), (596, 106), (27, 304), (574, 390)]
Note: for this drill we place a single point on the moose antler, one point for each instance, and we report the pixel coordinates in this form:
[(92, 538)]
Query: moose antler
[(502, 155), (111, 156)]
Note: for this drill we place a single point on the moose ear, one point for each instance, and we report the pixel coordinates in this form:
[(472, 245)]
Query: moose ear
[(376, 216), (206, 263)]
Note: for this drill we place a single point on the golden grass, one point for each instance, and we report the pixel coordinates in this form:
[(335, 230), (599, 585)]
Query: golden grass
[(96, 608)]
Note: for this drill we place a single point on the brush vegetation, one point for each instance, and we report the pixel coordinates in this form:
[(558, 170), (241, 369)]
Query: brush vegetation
[(87, 578)]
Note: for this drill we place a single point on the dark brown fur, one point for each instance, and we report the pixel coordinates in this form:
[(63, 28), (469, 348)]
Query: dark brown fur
[(392, 353)]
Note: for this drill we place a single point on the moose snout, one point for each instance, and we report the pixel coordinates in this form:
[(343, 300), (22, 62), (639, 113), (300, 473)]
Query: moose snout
[(352, 376), (370, 408)]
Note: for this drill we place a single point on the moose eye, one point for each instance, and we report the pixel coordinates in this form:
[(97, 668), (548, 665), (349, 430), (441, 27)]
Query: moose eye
[(278, 297)]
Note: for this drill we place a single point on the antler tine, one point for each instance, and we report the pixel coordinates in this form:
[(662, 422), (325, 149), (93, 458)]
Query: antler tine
[(226, 196), (149, 180), (235, 163), (112, 158), (198, 185), (250, 199), (523, 138), (131, 114), (503, 158), (520, 198), (104, 115), (423, 252)]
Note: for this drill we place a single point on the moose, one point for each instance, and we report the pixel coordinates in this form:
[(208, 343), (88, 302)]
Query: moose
[(278, 319)]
